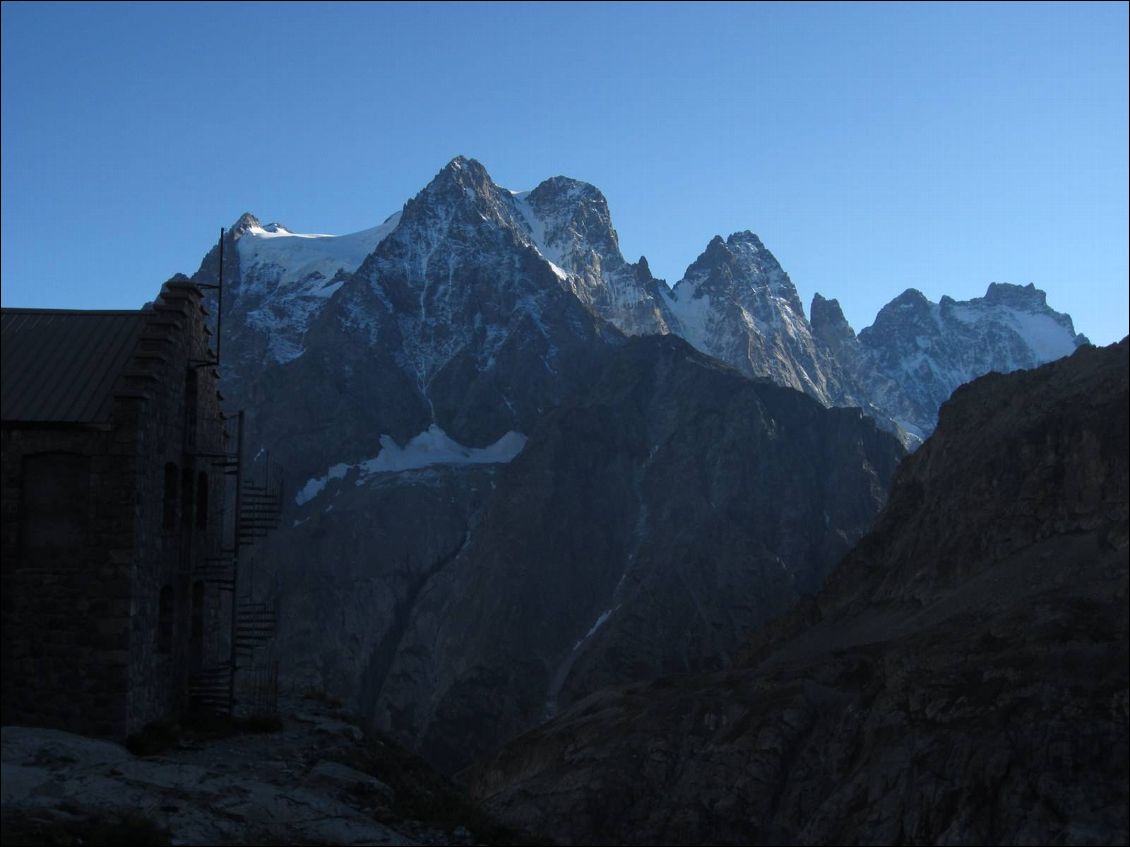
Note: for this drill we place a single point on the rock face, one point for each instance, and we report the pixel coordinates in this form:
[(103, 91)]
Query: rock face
[(651, 522), (737, 304), (571, 224), (648, 525), (962, 677), (917, 352)]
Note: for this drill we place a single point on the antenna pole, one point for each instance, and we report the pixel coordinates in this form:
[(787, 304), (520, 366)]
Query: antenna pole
[(235, 557), (220, 301)]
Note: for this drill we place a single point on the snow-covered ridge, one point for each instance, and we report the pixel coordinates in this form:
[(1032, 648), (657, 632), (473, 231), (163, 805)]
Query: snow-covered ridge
[(305, 259), (1046, 337), (288, 276), (928, 349), (734, 302), (433, 446)]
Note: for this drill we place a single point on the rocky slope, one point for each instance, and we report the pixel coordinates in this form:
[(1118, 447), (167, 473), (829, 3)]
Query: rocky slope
[(962, 677), (649, 523)]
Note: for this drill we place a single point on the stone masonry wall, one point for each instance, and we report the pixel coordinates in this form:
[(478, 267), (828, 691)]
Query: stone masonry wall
[(85, 647), (184, 430), (66, 608)]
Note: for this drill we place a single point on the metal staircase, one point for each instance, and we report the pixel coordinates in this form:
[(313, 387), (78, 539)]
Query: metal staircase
[(247, 681), (254, 627), (209, 690)]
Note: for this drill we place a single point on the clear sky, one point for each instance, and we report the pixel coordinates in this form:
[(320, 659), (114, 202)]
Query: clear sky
[(872, 147)]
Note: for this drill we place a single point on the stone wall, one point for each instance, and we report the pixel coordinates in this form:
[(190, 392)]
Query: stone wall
[(102, 556), (66, 605), (182, 430)]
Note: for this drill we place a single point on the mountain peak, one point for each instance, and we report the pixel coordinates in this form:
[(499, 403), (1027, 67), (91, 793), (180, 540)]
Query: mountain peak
[(912, 300), (246, 221), (572, 225), (461, 174), (742, 258), (715, 254), (573, 189), (738, 246), (463, 189), (462, 167), (745, 237), (828, 321), (1008, 294), (643, 269), (460, 162)]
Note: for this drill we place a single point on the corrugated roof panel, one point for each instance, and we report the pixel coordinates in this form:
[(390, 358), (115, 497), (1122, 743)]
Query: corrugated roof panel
[(60, 366)]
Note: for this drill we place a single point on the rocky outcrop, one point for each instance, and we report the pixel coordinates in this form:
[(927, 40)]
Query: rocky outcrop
[(962, 678)]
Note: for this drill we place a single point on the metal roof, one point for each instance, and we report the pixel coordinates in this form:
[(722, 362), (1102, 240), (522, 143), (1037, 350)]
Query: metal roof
[(60, 366)]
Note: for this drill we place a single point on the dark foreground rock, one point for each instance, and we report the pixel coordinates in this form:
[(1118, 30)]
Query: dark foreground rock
[(961, 679), (312, 777)]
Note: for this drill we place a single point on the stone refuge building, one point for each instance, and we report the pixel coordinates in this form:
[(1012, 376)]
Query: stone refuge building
[(113, 488)]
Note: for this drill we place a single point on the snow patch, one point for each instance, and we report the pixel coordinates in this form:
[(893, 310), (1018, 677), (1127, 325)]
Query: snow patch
[(1046, 337), (693, 314), (433, 446), (314, 486)]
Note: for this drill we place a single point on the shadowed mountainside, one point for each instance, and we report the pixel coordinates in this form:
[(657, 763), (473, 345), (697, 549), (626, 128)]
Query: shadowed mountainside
[(962, 677)]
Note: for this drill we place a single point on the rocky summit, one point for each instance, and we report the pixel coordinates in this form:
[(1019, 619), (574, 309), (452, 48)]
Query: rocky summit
[(469, 275), (521, 468), (962, 677)]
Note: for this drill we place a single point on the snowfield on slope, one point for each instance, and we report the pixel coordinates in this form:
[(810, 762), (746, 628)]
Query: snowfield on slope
[(433, 446)]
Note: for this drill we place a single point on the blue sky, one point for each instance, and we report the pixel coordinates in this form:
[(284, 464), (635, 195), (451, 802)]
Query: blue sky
[(872, 147)]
